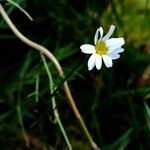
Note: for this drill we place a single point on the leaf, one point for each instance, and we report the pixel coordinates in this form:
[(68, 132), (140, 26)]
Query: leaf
[(147, 114), (65, 52), (122, 141)]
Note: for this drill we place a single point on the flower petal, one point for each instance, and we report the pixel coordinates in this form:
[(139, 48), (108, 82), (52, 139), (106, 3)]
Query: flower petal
[(96, 37), (98, 62), (110, 32), (114, 43), (114, 56), (119, 50), (107, 61), (91, 62), (87, 48)]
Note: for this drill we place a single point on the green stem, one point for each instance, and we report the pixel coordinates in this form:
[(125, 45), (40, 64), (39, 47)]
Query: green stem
[(20, 8), (93, 144), (56, 114), (37, 88), (22, 126)]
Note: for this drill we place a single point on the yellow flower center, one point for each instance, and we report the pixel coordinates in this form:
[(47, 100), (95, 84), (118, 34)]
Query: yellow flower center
[(101, 48)]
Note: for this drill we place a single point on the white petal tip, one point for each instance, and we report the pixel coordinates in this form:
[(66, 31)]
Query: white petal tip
[(122, 41), (98, 68), (112, 26), (90, 69), (87, 48), (109, 66), (110, 32), (107, 61)]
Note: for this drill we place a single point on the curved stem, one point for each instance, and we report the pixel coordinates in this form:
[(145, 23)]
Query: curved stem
[(45, 51)]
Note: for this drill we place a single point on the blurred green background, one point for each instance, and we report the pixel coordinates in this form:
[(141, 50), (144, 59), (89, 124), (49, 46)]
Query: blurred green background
[(114, 102)]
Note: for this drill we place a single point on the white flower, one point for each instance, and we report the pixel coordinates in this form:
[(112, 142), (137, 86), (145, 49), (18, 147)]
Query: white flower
[(105, 48)]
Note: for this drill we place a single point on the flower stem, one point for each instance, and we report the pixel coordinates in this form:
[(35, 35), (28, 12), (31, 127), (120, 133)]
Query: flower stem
[(22, 126), (93, 144), (56, 114), (45, 51), (20, 8)]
